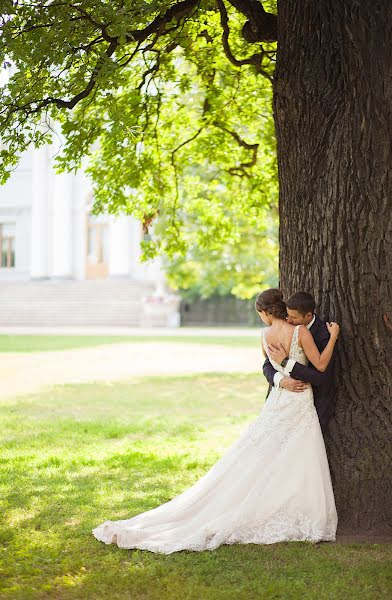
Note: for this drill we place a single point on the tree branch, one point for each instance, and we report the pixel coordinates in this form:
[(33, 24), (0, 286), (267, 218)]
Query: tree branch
[(178, 11), (157, 26), (241, 169), (261, 25), (255, 59), (174, 165), (102, 26)]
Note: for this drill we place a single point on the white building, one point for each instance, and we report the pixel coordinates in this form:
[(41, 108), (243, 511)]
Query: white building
[(62, 266)]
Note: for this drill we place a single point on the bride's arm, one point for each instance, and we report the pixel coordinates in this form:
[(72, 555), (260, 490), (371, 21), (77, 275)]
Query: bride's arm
[(320, 361)]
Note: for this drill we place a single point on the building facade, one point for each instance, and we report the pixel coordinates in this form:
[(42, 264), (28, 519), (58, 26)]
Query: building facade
[(48, 236)]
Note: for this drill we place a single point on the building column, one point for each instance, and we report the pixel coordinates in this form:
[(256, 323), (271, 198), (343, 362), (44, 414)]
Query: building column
[(119, 245), (136, 267), (82, 197), (40, 214), (62, 225)]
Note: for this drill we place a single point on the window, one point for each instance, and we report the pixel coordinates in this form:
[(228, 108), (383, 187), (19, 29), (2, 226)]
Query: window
[(97, 243), (7, 245), (97, 247)]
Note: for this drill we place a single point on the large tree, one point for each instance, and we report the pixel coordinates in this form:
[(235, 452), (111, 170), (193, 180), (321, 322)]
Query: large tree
[(154, 92), (333, 115)]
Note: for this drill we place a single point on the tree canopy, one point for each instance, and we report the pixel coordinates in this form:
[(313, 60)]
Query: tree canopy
[(169, 106)]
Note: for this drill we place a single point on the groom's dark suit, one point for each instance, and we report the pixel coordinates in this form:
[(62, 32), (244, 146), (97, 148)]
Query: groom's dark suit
[(322, 383)]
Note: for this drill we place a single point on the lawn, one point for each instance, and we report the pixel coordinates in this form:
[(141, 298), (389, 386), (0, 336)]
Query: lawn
[(50, 343), (79, 454)]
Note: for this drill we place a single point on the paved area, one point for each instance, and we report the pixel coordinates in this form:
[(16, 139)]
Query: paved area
[(22, 373), (137, 331)]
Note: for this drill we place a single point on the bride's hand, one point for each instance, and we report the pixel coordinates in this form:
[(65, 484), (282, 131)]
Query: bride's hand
[(333, 329)]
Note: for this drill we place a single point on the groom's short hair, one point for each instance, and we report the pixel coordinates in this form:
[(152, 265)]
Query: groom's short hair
[(302, 302)]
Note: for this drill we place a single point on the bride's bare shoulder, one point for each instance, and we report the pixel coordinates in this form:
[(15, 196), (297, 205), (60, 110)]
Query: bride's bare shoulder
[(289, 328), (303, 333)]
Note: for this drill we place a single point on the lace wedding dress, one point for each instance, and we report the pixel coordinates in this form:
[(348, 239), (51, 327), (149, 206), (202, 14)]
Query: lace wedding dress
[(272, 485)]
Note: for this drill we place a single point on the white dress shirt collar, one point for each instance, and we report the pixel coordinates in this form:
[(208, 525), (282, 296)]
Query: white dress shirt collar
[(311, 322)]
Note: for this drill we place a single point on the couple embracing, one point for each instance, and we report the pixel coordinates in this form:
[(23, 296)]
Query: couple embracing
[(274, 483)]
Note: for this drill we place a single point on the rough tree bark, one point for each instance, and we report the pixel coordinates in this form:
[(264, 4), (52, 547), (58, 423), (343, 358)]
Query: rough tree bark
[(333, 114)]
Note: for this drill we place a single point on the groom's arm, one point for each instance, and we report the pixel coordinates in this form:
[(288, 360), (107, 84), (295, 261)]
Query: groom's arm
[(310, 374), (272, 375), (277, 379)]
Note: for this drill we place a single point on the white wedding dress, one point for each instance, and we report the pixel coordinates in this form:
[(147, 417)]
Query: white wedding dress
[(272, 485)]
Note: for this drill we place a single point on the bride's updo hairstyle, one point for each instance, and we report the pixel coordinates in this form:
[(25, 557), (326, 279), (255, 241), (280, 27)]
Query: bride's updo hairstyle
[(271, 301)]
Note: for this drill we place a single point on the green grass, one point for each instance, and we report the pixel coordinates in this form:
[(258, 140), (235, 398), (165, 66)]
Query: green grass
[(80, 454), (50, 343)]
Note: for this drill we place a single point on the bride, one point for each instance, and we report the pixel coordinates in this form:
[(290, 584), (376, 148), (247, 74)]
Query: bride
[(272, 485)]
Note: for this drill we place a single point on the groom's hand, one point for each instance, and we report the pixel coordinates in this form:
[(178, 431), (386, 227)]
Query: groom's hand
[(277, 353), (294, 385)]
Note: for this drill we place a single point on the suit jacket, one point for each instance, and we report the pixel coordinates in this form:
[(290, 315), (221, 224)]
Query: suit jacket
[(322, 383)]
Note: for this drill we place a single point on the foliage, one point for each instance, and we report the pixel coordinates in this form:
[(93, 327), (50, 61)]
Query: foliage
[(242, 266), (170, 108), (79, 454)]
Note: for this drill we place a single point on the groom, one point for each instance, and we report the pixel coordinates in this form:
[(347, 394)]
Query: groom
[(300, 310)]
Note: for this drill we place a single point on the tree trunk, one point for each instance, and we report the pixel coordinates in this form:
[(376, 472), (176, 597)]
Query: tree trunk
[(333, 115)]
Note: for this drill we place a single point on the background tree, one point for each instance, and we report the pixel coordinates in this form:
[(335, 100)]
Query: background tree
[(111, 65), (240, 266)]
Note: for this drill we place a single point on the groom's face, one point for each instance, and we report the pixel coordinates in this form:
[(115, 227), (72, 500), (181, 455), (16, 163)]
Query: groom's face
[(296, 318)]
